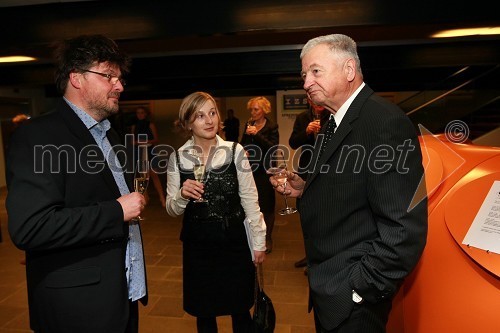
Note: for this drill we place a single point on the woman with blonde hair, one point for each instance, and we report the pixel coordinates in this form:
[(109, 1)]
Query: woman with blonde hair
[(218, 273), (259, 139)]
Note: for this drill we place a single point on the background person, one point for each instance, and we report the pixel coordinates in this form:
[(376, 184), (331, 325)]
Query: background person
[(73, 221), (231, 126), (261, 136), (305, 129), (218, 273), (144, 126), (362, 234), (16, 121)]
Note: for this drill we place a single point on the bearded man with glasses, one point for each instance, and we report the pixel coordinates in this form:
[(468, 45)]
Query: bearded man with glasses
[(70, 201)]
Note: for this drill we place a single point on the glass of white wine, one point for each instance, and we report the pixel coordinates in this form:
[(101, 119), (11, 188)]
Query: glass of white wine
[(141, 178), (280, 175), (199, 175), (282, 179)]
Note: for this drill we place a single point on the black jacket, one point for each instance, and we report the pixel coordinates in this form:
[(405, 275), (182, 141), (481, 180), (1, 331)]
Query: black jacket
[(66, 217)]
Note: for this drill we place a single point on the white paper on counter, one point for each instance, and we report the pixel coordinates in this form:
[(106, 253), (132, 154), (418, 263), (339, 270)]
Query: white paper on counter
[(484, 232)]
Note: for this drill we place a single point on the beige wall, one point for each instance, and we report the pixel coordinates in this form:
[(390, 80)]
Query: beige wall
[(165, 112), (14, 101)]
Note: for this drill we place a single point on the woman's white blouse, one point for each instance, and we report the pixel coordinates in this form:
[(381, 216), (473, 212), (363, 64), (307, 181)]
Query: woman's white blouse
[(176, 204)]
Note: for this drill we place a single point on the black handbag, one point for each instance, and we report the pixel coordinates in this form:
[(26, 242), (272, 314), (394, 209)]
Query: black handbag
[(264, 317)]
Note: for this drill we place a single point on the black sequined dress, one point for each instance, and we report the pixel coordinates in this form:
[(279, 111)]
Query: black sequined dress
[(218, 273)]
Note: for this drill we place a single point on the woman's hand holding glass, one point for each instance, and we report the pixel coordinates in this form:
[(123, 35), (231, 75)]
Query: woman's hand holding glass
[(251, 130), (197, 188), (192, 189)]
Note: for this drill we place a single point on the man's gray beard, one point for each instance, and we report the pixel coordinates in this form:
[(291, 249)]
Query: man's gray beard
[(105, 112)]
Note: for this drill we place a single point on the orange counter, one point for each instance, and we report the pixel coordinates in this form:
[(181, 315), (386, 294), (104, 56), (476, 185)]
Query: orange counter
[(455, 288)]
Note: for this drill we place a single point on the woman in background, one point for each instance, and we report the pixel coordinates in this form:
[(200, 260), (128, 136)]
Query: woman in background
[(218, 273), (144, 126), (259, 139)]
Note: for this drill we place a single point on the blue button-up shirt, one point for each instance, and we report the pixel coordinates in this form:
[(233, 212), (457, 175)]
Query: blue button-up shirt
[(134, 259)]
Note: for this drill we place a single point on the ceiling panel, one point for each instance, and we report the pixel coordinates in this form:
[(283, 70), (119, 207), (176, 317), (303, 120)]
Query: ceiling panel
[(246, 47)]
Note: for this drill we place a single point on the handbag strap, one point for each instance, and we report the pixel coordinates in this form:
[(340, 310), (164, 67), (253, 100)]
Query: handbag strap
[(259, 279), (256, 289)]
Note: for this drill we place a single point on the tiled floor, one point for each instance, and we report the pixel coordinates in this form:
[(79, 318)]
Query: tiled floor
[(285, 284)]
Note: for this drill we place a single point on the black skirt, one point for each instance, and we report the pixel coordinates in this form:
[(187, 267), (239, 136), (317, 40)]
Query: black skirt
[(218, 279)]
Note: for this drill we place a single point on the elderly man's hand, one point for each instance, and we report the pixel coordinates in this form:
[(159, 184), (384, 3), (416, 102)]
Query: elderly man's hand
[(294, 187)]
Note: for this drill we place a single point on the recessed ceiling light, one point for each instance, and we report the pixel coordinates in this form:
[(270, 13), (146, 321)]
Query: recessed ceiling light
[(467, 32), (16, 59)]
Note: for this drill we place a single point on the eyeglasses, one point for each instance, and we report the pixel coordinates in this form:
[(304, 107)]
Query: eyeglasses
[(111, 79)]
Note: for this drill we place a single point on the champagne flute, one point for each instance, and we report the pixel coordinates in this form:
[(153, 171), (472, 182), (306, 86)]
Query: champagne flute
[(199, 175), (280, 175), (282, 179), (250, 122), (141, 178), (317, 115), (199, 172)]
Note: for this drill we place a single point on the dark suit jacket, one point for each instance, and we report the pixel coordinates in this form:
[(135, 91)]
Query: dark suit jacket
[(358, 230), (261, 145), (260, 148), (70, 225)]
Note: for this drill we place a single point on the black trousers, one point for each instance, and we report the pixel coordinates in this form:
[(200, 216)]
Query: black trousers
[(133, 318), (364, 318), (242, 323)]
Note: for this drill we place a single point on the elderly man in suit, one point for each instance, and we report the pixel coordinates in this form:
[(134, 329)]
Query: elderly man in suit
[(363, 232), (70, 203)]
